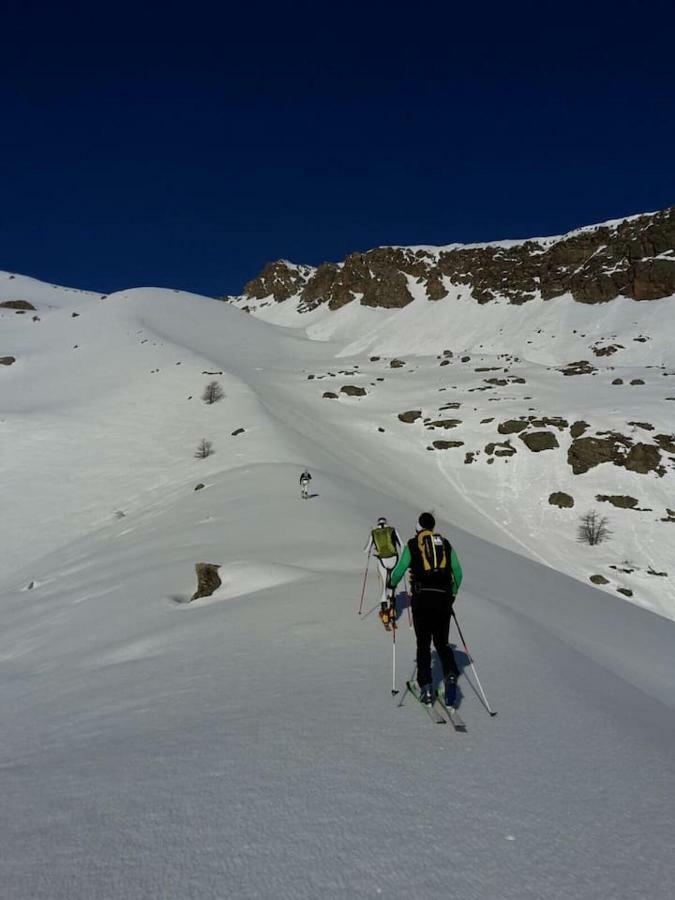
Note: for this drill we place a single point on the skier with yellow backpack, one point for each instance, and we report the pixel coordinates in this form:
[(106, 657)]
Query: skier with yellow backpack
[(386, 544), (436, 577)]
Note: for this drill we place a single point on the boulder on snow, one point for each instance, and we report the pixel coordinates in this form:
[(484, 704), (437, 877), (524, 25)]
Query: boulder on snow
[(353, 390), (396, 363), (539, 440), (7, 360), (329, 395), (17, 304), (511, 426), (410, 415), (208, 579), (444, 423), (620, 501), (447, 445), (598, 579), (561, 500), (238, 431)]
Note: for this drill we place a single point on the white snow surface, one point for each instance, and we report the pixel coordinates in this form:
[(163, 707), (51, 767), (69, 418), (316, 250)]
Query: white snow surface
[(247, 744)]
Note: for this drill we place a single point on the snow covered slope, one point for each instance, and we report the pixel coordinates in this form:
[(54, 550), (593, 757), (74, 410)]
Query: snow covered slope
[(246, 745)]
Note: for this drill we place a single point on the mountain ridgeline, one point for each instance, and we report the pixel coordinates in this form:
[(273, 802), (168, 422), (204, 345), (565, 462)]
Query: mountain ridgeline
[(633, 258)]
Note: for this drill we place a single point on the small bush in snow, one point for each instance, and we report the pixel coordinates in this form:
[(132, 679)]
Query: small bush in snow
[(213, 392), (204, 449), (593, 528)]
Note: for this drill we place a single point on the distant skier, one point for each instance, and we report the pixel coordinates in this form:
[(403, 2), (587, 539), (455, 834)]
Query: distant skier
[(436, 577), (386, 543), (305, 479)]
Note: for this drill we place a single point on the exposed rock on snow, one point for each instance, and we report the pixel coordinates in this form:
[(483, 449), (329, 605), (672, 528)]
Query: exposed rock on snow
[(620, 501), (17, 304), (208, 579), (412, 415), (353, 390), (539, 440), (561, 500)]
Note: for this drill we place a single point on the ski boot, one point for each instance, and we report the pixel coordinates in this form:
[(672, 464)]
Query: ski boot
[(451, 690), (426, 695)]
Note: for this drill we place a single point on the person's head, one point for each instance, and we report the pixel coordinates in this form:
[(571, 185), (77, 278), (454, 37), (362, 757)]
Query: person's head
[(381, 522), (426, 522)]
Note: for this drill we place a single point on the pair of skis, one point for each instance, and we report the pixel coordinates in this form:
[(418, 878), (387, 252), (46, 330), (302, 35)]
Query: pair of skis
[(438, 711)]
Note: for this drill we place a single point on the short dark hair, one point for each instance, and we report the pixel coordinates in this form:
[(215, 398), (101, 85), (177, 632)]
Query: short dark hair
[(427, 521)]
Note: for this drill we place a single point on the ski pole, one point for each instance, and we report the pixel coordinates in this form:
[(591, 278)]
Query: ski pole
[(407, 589), (363, 589), (473, 667), (393, 657)]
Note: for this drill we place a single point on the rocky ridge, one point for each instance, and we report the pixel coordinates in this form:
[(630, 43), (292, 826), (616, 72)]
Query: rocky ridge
[(633, 258)]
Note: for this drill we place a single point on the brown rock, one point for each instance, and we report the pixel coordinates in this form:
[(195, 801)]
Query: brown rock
[(353, 390), (500, 448), (561, 500), (412, 415), (447, 445), (643, 458), (7, 360), (208, 579), (599, 579), (445, 423), (511, 426), (539, 440), (665, 441), (578, 428), (396, 363), (329, 395), (17, 304), (620, 501)]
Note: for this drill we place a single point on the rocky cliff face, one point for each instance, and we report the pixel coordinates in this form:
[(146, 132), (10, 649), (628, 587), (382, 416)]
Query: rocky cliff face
[(634, 258)]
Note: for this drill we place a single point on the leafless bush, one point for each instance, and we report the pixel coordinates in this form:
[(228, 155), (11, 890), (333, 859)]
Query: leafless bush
[(204, 449), (593, 529), (213, 392)]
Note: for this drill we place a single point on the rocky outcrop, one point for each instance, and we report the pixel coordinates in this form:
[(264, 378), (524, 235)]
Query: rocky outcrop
[(561, 500), (17, 304), (353, 390), (539, 440), (610, 447), (208, 579), (634, 258), (621, 501), (410, 416)]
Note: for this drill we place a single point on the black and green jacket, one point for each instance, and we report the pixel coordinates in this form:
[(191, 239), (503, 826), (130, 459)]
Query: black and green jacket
[(411, 558)]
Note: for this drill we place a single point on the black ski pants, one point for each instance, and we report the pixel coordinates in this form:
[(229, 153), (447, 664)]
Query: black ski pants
[(431, 612)]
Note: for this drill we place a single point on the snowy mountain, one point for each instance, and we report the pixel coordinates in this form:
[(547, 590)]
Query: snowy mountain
[(246, 744), (538, 383)]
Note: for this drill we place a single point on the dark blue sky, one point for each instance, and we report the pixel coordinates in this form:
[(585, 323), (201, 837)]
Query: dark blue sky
[(185, 145)]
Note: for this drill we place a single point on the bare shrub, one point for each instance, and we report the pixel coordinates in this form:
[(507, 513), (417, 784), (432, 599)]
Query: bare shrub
[(204, 449), (593, 528), (213, 392)]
